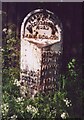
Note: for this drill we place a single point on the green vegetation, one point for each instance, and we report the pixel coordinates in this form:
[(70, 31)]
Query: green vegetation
[(59, 104)]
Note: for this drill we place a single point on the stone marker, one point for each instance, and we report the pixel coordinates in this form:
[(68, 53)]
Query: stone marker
[(41, 50)]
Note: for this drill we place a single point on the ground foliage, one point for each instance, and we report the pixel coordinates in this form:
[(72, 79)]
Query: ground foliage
[(63, 103)]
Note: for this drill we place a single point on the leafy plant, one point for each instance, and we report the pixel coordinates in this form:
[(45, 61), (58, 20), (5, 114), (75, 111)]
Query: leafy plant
[(57, 104)]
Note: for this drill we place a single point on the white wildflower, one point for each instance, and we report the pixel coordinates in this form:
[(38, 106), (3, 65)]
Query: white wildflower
[(5, 30), (19, 99), (13, 117), (68, 102), (2, 49), (16, 82), (64, 115), (22, 111), (5, 108), (32, 109)]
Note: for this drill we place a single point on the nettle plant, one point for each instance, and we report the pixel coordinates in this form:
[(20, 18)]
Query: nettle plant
[(44, 106)]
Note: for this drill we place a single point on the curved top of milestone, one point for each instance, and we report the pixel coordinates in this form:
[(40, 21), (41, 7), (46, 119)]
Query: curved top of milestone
[(41, 27)]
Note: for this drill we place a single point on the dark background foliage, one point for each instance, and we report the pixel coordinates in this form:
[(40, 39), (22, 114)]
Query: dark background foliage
[(70, 14)]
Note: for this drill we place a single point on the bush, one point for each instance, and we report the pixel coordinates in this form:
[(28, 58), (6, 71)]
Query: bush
[(57, 104)]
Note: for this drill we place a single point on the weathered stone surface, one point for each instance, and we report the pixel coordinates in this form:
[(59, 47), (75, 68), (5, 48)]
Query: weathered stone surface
[(41, 48)]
